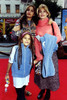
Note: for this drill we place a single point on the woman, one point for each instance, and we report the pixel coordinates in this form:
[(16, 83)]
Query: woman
[(27, 22), (43, 27)]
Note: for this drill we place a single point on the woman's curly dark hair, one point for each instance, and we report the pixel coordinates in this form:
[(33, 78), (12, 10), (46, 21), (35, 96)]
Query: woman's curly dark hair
[(23, 18)]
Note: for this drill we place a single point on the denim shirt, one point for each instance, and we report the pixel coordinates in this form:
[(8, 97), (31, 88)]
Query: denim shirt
[(25, 66), (49, 46)]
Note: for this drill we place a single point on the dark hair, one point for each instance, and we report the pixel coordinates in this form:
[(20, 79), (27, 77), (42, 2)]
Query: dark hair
[(23, 19), (20, 49)]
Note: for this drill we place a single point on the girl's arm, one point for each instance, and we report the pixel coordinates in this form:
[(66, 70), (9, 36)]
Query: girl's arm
[(8, 70), (11, 59)]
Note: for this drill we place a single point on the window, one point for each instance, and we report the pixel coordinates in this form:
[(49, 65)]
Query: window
[(65, 3), (23, 0), (29, 0), (7, 8), (26, 0), (0, 8), (17, 8)]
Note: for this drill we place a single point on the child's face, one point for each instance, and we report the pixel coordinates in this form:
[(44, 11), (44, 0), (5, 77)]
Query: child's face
[(42, 13), (26, 40)]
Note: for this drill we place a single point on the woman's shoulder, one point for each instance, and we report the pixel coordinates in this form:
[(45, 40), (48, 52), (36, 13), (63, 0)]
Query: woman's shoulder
[(54, 23)]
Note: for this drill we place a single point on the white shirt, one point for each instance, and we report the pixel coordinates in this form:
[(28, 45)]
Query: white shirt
[(18, 82)]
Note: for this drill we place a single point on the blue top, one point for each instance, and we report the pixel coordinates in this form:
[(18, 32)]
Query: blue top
[(49, 46), (25, 66)]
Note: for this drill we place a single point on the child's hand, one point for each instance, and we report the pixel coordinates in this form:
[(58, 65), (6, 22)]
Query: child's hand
[(7, 76)]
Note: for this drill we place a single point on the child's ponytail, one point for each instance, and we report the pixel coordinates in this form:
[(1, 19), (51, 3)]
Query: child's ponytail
[(19, 58)]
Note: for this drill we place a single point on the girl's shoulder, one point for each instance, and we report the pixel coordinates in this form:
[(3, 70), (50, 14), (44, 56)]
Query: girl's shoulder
[(15, 47)]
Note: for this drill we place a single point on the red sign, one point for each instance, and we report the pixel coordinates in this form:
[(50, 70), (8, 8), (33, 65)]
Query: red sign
[(11, 20)]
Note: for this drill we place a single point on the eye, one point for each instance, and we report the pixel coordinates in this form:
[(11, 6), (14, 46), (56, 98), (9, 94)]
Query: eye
[(40, 11), (32, 10), (44, 11), (24, 37), (28, 9)]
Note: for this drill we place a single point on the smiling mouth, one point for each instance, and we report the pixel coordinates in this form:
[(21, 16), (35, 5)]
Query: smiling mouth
[(42, 15), (29, 14)]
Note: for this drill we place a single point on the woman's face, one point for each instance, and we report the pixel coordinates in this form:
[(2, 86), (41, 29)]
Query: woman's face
[(42, 13), (30, 12), (26, 40)]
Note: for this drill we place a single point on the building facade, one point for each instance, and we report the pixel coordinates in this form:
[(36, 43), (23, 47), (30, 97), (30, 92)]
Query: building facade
[(10, 11), (65, 3), (12, 8)]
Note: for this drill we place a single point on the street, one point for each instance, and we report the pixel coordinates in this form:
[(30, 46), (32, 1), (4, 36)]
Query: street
[(5, 49)]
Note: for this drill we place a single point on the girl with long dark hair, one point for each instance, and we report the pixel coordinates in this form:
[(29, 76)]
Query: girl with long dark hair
[(20, 62)]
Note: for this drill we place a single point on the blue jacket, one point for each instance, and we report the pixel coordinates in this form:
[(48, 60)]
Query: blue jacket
[(25, 67), (49, 46)]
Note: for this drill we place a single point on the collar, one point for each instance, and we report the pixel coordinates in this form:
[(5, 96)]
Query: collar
[(43, 22), (22, 45)]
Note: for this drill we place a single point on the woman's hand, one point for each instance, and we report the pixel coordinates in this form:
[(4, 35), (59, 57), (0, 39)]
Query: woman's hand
[(50, 21), (35, 62), (16, 28)]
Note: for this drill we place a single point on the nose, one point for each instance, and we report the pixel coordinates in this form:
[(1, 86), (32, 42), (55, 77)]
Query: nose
[(29, 10), (41, 12), (26, 39)]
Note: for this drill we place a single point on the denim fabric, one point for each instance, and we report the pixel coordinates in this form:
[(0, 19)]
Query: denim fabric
[(49, 46), (25, 66)]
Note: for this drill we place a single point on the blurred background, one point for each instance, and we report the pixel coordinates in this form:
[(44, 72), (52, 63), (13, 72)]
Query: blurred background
[(11, 10)]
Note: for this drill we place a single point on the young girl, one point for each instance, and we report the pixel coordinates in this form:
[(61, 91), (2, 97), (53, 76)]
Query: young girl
[(21, 60), (43, 27)]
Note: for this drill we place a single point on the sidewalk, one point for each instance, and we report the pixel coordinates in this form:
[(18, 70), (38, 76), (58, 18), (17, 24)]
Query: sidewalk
[(5, 49)]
